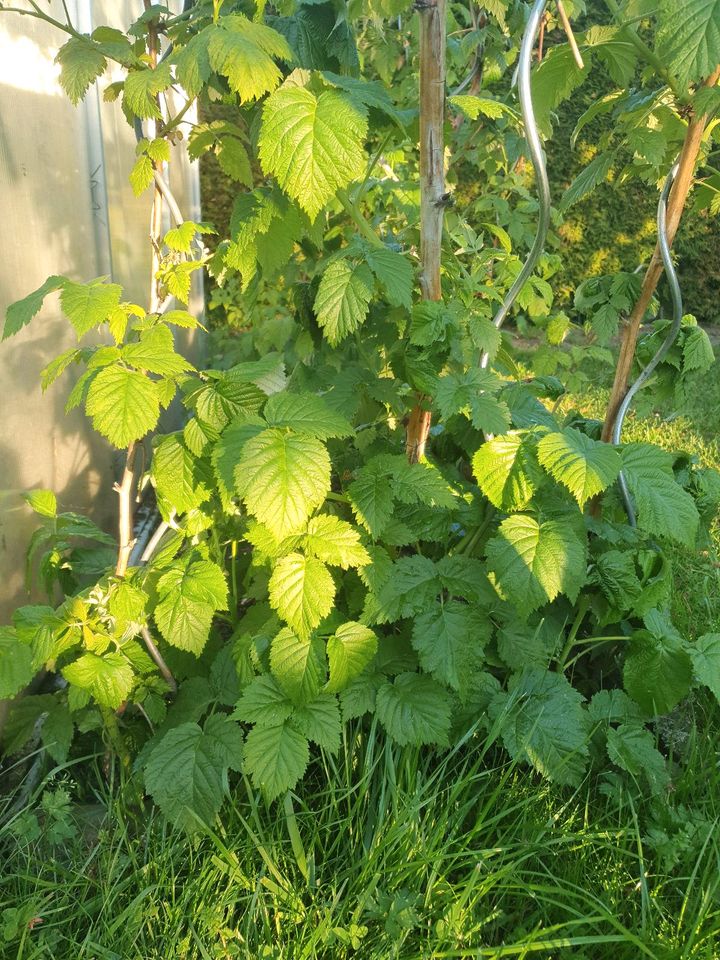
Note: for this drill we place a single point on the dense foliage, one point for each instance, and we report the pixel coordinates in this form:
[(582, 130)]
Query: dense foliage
[(308, 574)]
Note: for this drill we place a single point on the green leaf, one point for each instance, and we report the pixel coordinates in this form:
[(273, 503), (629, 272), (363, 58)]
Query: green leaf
[(632, 748), (394, 273), (263, 702), (180, 478), (658, 671), (276, 757), (42, 502), (371, 497), (507, 471), (319, 721), (343, 299), (155, 352), (124, 405), (191, 592), (81, 62), (595, 173), (414, 709), (235, 162), (705, 656), (543, 723), (349, 650), (410, 587), (108, 679), (554, 80), (58, 366), (141, 175), (306, 413), (283, 477), (312, 145), (585, 466), (142, 88), (16, 663), (450, 640), (473, 107), (663, 507), (534, 562), (698, 353), (22, 311), (87, 305), (302, 591), (336, 542), (688, 38), (188, 769), (298, 665), (469, 393), (243, 51)]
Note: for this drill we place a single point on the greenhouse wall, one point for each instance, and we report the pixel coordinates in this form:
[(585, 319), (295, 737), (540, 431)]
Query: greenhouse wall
[(67, 209)]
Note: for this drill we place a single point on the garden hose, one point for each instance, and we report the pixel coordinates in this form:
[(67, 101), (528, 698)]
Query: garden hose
[(537, 157), (647, 372)]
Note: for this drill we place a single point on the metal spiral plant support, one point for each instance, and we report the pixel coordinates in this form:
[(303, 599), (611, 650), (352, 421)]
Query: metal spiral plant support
[(647, 372), (537, 157)]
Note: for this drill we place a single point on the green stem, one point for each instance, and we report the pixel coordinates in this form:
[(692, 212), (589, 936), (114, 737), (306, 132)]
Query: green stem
[(642, 48), (336, 497), (115, 736), (577, 622), (37, 14), (358, 219), (373, 162)]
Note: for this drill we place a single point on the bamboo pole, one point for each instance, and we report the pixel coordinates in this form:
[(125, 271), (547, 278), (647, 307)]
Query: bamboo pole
[(432, 184)]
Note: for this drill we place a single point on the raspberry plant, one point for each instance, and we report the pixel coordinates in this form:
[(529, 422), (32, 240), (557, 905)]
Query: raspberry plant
[(357, 518)]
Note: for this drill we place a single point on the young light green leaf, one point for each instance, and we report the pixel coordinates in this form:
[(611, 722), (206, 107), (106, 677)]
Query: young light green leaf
[(124, 405), (349, 650), (306, 413), (244, 52), (507, 471), (343, 299), (180, 478), (534, 562), (81, 62), (298, 665), (108, 679), (190, 594), (585, 466), (87, 305), (276, 757), (155, 352), (142, 88), (22, 311), (473, 107), (414, 709), (302, 591), (336, 542), (312, 144), (283, 477), (43, 502)]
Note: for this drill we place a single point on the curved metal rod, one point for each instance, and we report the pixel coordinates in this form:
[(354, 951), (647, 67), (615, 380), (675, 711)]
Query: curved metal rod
[(538, 161), (648, 371)]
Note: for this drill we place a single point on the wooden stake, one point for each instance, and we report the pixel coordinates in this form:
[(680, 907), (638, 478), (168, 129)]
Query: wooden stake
[(432, 184)]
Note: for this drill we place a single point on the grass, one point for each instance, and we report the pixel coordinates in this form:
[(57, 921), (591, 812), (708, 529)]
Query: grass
[(393, 854), (390, 854)]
